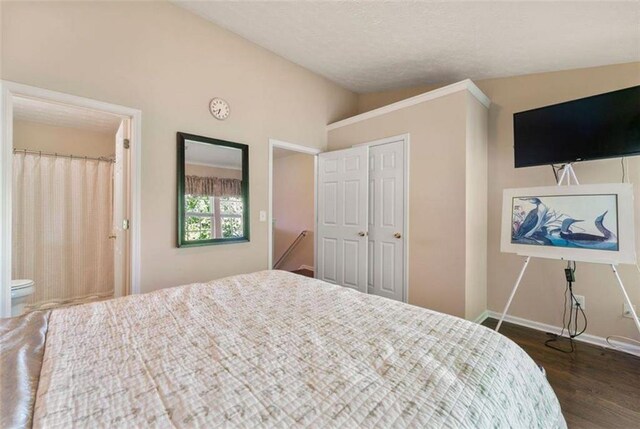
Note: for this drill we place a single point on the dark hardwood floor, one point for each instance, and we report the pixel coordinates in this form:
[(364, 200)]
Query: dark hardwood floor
[(597, 387), (304, 272)]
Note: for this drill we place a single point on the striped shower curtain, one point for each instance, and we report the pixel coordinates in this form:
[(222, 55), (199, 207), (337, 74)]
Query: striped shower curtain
[(62, 219)]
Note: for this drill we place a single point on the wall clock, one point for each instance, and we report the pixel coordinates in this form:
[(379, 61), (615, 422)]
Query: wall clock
[(219, 108)]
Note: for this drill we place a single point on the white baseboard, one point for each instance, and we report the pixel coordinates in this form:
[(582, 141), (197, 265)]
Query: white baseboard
[(306, 267), (586, 338), (482, 317)]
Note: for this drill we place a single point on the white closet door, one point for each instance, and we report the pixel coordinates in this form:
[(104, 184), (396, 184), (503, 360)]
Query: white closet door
[(342, 217), (386, 220)]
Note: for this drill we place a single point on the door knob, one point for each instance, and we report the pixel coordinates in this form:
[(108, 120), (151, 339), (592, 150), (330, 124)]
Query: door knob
[(362, 234), (397, 235)]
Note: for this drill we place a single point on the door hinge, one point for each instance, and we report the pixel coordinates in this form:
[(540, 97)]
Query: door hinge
[(125, 143), (125, 224)]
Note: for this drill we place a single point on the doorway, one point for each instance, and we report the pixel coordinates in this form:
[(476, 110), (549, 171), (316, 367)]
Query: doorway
[(70, 200), (291, 220)]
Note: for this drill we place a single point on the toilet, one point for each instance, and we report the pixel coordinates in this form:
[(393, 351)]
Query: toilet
[(21, 290)]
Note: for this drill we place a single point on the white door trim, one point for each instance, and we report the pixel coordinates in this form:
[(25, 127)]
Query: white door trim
[(405, 138), (273, 143), (10, 89)]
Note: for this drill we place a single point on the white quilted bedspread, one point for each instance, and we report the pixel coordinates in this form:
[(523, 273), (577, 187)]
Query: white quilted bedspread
[(273, 349)]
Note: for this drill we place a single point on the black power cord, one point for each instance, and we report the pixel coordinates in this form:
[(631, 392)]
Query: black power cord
[(572, 331), (555, 172)]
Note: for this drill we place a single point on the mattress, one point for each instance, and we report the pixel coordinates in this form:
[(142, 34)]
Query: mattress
[(274, 349)]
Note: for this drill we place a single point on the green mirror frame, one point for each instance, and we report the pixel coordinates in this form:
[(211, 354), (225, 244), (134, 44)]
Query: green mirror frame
[(182, 138)]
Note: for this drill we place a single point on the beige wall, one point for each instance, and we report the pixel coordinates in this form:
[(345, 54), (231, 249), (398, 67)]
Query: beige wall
[(207, 171), (540, 295), (437, 204), (373, 100), (169, 63), (293, 193), (62, 140)]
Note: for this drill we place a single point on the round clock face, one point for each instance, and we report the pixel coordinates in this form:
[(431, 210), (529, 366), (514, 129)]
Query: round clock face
[(219, 108)]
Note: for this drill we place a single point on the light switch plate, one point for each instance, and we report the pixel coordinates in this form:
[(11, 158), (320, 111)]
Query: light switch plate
[(263, 216)]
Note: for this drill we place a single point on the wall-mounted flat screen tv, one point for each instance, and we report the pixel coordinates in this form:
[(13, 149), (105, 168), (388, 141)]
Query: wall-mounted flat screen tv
[(601, 126)]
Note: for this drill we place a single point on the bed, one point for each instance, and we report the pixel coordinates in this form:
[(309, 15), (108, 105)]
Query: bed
[(272, 349)]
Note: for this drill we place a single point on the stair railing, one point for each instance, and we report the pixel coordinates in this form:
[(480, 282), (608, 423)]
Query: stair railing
[(293, 245)]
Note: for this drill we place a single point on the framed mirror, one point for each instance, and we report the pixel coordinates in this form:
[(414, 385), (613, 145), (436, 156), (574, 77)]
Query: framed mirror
[(213, 191)]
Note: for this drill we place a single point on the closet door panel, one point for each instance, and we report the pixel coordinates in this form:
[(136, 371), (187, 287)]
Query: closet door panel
[(343, 217), (350, 202), (388, 262), (329, 252), (371, 265), (351, 250), (387, 214)]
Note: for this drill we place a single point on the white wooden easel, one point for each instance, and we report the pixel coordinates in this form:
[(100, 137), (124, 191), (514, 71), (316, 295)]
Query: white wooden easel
[(568, 174)]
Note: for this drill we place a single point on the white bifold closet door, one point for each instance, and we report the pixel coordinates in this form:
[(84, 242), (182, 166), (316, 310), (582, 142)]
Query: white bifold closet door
[(342, 217), (386, 220), (361, 196)]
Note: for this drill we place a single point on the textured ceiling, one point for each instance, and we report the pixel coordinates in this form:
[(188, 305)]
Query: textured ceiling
[(374, 46), (62, 115)]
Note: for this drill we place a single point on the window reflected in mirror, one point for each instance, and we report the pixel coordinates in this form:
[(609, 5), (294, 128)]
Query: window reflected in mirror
[(212, 191), (213, 217)]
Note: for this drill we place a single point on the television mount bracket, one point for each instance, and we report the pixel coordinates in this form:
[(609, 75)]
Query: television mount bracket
[(568, 174)]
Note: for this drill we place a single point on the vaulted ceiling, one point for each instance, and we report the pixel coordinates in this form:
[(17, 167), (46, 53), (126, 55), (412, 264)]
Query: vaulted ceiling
[(374, 46)]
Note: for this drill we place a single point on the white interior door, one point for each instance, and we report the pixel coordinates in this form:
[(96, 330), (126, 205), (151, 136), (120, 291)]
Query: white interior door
[(120, 212), (386, 220), (342, 217)]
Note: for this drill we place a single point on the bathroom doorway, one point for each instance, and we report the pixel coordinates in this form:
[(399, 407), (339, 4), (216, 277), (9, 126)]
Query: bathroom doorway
[(69, 169)]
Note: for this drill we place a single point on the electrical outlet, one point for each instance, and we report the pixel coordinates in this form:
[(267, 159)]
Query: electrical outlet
[(580, 299), (626, 311)]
